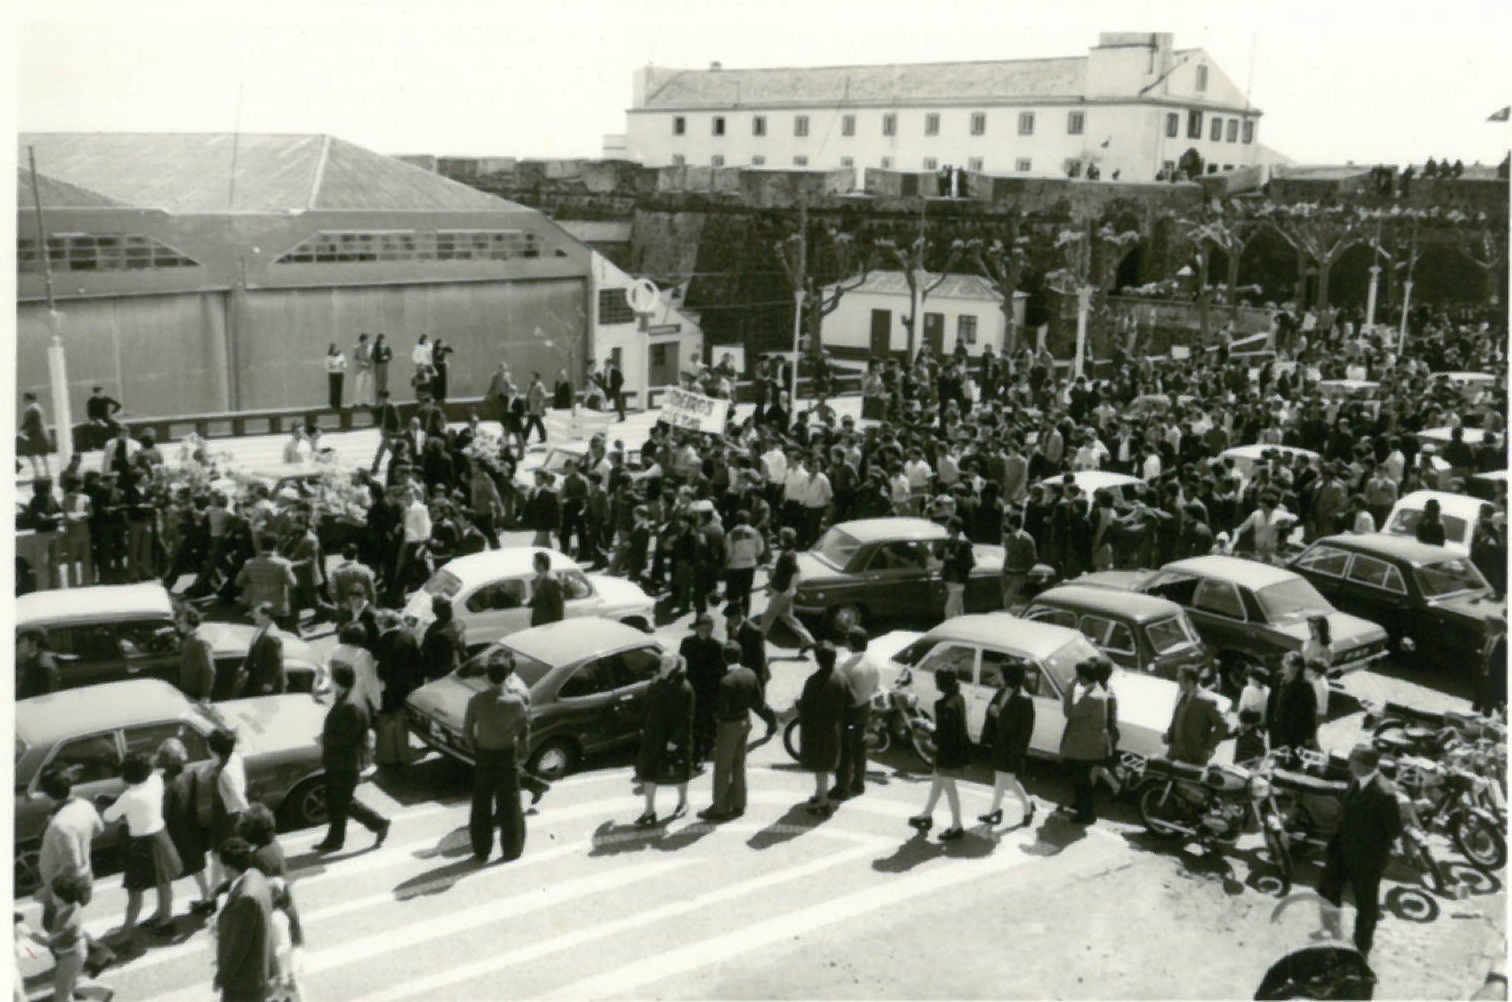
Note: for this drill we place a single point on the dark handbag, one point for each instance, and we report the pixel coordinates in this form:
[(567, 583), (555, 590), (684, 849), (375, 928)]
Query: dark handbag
[(673, 768)]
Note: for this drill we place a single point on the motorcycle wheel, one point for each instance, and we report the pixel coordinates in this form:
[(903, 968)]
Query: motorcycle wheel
[(1161, 809), (790, 739), (1419, 855), (1479, 840), (1275, 844), (923, 745), (878, 739)]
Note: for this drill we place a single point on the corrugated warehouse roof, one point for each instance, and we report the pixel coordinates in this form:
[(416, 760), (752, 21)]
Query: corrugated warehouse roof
[(915, 83), (953, 287), (191, 173)]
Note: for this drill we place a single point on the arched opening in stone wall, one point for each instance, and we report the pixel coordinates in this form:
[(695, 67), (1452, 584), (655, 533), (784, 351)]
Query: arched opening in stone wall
[(1445, 275), (1130, 268), (1349, 279), (1271, 263)]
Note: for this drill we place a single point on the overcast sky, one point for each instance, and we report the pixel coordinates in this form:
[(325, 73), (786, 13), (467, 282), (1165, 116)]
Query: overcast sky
[(1340, 80)]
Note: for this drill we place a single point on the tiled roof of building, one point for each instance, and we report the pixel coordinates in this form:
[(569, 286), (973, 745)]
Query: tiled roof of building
[(1001, 80), (955, 286), (191, 173)]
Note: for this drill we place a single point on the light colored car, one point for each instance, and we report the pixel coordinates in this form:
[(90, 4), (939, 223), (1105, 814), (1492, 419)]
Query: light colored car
[(490, 593), (1121, 485), (92, 731), (587, 680), (1247, 457), (975, 647), (553, 460), (1460, 513), (106, 633)]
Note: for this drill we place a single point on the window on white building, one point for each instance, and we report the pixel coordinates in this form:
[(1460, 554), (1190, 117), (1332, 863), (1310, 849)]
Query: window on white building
[(1231, 132), (758, 125), (931, 124), (758, 161), (800, 161), (679, 125), (974, 164), (1194, 124), (847, 161), (1076, 123), (1212, 168), (847, 125), (978, 123), (1202, 78), (1217, 132), (889, 124), (1173, 125), (718, 125), (678, 160), (800, 125), (1026, 123), (966, 329), (1022, 165), (614, 308), (930, 163), (716, 160), (1249, 131), (887, 163)]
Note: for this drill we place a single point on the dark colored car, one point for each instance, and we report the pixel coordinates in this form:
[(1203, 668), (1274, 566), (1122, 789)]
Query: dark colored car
[(92, 730), (1433, 603), (1251, 613), (874, 570), (587, 679), (1139, 632), (107, 633)]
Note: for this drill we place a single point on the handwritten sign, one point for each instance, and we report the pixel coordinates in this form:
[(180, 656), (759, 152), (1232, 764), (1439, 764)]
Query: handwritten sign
[(694, 411)]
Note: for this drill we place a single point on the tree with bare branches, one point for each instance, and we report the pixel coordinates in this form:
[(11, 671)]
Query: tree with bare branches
[(910, 260), (848, 258), (1322, 233), (1003, 262)]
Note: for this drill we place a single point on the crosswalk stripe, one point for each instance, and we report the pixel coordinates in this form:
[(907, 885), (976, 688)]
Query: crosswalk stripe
[(626, 979), (581, 937), (469, 919)]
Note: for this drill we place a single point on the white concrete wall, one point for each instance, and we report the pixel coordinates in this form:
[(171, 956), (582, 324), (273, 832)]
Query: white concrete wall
[(849, 327), (633, 345)]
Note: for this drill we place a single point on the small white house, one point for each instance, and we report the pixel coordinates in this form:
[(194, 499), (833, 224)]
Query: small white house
[(869, 318), (670, 342)]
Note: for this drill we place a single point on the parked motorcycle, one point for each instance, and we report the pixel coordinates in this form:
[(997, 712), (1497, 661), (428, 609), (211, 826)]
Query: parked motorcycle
[(895, 716), (1403, 726), (1212, 803), (1442, 798)]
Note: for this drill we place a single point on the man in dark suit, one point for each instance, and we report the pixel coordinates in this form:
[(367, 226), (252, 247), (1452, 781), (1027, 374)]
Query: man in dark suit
[(263, 669), (386, 418), (1356, 857), (341, 746), (547, 603), (1197, 724), (244, 940), (738, 696), (616, 383), (101, 411)]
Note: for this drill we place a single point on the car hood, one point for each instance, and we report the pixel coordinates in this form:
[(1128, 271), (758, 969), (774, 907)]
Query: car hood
[(235, 639), (989, 558), (1345, 631), (1477, 608), (812, 570), (269, 724), (619, 592), (1147, 701), (1117, 580), (446, 698)]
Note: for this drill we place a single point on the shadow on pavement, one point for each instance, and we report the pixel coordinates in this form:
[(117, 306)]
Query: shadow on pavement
[(1411, 904), (439, 880), (1054, 835), (1470, 879), (456, 842), (978, 843), (797, 821)]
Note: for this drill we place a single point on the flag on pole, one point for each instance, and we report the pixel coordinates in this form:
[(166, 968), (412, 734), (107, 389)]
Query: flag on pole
[(1500, 116)]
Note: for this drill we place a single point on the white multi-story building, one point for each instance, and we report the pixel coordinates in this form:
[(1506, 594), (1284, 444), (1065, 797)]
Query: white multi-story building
[(1133, 104)]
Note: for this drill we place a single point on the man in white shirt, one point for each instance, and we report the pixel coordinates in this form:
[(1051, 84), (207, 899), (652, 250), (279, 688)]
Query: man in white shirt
[(1150, 467), (774, 467), (417, 533), (862, 679), (70, 832), (423, 353)]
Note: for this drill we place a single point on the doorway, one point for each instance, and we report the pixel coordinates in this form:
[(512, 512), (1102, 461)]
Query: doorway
[(663, 368), (881, 332)]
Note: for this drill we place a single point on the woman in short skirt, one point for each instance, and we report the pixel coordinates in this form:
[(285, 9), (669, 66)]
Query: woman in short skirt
[(149, 859), (182, 792), (952, 754)]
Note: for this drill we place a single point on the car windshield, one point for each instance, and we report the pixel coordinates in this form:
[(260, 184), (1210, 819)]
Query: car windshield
[(1062, 664), (1449, 577), (1291, 599), (836, 548), (1406, 521), (443, 584), (1169, 634), (556, 461), (528, 669)]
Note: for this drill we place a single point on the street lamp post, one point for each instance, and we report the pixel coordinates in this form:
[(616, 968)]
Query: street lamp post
[(1083, 305), (1370, 296), (57, 360)]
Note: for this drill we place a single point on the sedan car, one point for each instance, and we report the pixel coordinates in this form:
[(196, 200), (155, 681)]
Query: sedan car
[(1139, 632), (587, 681), (1251, 613), (105, 633), (490, 593), (1460, 514), (1247, 457), (887, 569), (975, 648), (1434, 604), (93, 730), (1122, 486)]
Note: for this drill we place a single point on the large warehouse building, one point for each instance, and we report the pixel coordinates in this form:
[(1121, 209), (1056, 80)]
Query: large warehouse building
[(199, 273)]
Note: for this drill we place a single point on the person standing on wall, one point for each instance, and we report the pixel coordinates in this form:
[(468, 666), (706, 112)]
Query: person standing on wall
[(614, 379), (440, 370), (362, 372), (382, 356), (32, 441), (335, 367)]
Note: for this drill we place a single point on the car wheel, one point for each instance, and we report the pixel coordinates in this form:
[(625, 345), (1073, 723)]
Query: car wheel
[(554, 759), (843, 618), (305, 806), (792, 740), (28, 868)]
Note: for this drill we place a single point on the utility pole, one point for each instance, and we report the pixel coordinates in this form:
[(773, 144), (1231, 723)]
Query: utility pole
[(57, 361), (800, 288)]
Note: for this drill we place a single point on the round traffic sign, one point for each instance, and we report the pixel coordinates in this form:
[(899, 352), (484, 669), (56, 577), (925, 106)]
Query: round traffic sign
[(642, 296)]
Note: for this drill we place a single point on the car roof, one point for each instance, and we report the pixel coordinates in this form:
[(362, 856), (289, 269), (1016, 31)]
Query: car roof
[(1465, 376), (1134, 606), (97, 603), (999, 629), (572, 640), (511, 561), (1459, 505), (1258, 451), (876, 530), (1091, 481), (1404, 548), (42, 720), (1252, 573)]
